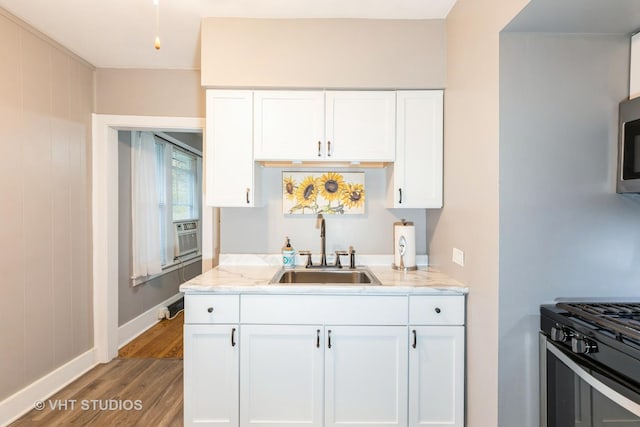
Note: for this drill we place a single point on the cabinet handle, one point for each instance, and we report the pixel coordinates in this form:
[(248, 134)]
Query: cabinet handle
[(233, 337), (329, 337), (437, 310), (319, 147), (400, 191), (318, 338), (329, 148), (415, 339), (210, 310), (247, 194)]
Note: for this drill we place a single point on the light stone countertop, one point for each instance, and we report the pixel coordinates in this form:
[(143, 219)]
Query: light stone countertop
[(252, 273)]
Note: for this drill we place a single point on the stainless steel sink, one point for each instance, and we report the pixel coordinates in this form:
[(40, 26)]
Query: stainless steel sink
[(343, 276)]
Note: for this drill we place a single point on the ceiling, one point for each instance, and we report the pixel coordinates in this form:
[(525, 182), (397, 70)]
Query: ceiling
[(121, 33)]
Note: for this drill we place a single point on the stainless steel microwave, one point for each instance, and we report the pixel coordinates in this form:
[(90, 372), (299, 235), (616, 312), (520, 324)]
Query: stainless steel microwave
[(628, 179)]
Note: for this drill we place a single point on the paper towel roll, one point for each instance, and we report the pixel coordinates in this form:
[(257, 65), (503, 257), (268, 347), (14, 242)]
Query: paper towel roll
[(404, 233)]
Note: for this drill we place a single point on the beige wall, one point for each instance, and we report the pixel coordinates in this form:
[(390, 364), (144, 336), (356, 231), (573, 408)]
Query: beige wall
[(326, 53), (46, 101), (136, 92), (469, 218)]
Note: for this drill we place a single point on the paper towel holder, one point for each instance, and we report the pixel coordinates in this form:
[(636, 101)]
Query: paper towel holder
[(402, 248)]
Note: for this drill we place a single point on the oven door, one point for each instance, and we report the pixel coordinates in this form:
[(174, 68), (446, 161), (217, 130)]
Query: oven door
[(575, 392)]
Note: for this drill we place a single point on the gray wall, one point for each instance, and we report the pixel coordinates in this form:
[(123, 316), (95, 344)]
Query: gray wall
[(135, 300), (263, 230), (564, 232), (46, 100)]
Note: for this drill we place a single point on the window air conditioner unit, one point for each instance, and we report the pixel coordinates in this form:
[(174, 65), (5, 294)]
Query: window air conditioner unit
[(187, 240)]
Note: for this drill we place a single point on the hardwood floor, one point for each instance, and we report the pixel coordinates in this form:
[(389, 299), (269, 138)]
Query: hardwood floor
[(163, 340), (143, 387), (123, 392)]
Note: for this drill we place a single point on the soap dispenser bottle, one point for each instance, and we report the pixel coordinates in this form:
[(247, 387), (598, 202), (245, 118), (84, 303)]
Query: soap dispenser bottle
[(288, 255)]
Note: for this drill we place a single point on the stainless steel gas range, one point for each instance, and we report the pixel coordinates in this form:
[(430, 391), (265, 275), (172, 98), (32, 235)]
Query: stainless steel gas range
[(590, 364)]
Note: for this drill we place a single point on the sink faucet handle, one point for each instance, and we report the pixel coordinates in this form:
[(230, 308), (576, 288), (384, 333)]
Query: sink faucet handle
[(338, 255), (308, 254), (352, 257)]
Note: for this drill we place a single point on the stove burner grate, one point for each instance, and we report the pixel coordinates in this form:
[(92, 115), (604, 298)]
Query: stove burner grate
[(622, 318)]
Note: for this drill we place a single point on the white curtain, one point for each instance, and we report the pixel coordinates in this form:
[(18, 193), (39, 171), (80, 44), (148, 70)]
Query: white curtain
[(145, 214)]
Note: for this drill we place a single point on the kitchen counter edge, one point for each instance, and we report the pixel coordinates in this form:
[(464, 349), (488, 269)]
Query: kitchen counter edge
[(248, 279)]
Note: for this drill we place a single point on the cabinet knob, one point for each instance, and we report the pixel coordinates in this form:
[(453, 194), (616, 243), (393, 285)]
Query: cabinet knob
[(437, 310), (210, 310)]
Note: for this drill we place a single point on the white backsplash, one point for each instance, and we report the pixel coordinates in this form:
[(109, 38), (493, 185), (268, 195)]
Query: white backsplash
[(276, 259)]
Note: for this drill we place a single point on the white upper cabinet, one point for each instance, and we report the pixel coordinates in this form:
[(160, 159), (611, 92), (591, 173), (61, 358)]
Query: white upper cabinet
[(415, 179), (230, 170), (360, 125), (349, 126), (288, 125)]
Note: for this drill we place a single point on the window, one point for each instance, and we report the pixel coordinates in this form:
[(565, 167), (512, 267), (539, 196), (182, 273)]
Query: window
[(178, 184), (184, 174)]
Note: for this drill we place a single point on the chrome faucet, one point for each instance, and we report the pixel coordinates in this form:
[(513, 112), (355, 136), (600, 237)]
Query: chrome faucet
[(323, 240)]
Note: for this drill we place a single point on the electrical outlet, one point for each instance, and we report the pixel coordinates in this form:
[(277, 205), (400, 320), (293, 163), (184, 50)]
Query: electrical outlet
[(458, 257), (163, 313)]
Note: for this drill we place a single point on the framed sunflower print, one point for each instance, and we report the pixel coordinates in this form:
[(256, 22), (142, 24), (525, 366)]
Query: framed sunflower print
[(323, 192)]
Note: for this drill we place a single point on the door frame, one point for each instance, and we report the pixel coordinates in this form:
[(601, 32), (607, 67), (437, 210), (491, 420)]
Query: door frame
[(104, 214)]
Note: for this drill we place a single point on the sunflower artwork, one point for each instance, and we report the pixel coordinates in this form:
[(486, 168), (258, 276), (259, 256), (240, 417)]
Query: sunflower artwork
[(326, 193)]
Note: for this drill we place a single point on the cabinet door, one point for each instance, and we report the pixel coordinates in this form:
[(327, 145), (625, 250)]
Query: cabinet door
[(417, 171), (366, 376), (360, 125), (211, 375), (436, 376), (288, 125), (281, 382), (229, 173)]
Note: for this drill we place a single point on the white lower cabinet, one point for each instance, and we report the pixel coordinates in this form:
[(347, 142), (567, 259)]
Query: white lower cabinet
[(436, 376), (324, 360), (211, 375), (282, 375), (366, 376)]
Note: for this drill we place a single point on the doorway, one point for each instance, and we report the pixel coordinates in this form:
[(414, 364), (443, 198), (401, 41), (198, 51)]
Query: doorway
[(105, 219)]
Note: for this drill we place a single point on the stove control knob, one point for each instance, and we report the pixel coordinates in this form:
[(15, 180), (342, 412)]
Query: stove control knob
[(560, 334), (582, 345)]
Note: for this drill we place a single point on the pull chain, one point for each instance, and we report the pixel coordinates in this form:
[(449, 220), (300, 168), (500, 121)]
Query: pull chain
[(157, 41)]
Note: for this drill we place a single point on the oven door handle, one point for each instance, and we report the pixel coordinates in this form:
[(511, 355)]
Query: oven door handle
[(613, 395)]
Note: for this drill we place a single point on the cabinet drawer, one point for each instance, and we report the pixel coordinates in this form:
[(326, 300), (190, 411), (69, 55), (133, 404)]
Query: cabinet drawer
[(324, 309), (436, 310), (211, 309)]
